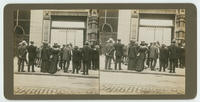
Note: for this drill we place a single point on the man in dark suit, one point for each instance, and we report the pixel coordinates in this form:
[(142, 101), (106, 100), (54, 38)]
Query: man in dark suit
[(173, 56), (118, 53), (31, 56), (163, 57), (86, 53), (76, 57), (21, 56)]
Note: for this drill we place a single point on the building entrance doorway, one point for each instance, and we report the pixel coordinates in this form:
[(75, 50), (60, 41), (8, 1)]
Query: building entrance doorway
[(68, 32), (152, 34), (67, 36), (153, 30)]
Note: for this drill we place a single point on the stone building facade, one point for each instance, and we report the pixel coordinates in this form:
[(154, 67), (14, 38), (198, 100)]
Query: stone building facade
[(97, 26), (64, 26), (144, 24)]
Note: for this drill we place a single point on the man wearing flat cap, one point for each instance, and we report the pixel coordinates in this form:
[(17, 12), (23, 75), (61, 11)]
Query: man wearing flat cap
[(173, 56), (118, 53), (31, 56)]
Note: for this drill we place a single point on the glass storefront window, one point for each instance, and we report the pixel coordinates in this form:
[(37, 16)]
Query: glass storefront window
[(68, 24), (153, 22)]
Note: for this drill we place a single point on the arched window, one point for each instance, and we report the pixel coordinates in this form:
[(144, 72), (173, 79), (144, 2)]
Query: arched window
[(19, 30), (107, 28)]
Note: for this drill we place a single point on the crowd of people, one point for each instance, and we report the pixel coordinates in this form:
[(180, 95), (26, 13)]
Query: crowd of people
[(51, 59), (139, 56)]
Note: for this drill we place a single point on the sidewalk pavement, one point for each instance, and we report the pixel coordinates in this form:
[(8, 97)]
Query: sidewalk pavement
[(179, 71), (92, 73)]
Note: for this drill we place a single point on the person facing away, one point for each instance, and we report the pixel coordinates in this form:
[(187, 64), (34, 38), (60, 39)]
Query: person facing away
[(21, 56), (66, 57), (141, 56), (109, 52), (132, 54), (54, 59), (86, 53), (31, 56), (76, 58), (164, 55), (153, 55), (118, 53), (173, 56), (45, 55), (61, 63)]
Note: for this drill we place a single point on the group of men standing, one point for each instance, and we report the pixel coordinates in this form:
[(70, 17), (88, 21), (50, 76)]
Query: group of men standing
[(51, 59), (137, 57)]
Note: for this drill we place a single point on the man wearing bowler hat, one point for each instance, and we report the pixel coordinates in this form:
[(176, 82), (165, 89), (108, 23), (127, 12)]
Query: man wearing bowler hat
[(118, 53), (86, 54), (31, 56), (173, 56)]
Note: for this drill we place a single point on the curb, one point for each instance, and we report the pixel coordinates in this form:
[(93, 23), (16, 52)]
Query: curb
[(167, 74), (67, 75)]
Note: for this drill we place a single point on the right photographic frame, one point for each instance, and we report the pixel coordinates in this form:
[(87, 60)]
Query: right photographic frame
[(142, 51)]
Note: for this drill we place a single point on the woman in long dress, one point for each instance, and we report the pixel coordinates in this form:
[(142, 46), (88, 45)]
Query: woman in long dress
[(54, 59), (132, 55), (141, 56)]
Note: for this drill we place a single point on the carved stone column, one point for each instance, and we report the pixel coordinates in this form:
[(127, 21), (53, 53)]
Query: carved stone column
[(134, 24), (46, 26), (93, 26), (180, 28)]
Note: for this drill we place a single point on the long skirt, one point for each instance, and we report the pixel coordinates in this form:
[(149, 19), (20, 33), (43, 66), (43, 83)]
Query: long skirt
[(132, 63), (53, 66)]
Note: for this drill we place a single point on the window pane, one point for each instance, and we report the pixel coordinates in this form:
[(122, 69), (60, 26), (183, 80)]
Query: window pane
[(152, 22), (25, 25), (68, 24), (24, 14)]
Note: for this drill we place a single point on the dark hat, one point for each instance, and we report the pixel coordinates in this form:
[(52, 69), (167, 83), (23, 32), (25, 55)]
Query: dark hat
[(132, 40), (118, 39), (86, 43), (31, 42), (173, 41), (75, 47)]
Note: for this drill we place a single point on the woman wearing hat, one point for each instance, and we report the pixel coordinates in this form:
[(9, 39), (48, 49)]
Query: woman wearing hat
[(54, 59), (141, 56)]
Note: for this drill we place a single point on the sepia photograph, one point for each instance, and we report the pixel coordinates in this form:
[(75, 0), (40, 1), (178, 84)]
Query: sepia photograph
[(56, 52), (99, 52), (142, 51)]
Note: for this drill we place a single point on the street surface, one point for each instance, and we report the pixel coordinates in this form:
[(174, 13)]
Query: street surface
[(38, 83), (148, 82), (54, 85), (136, 83)]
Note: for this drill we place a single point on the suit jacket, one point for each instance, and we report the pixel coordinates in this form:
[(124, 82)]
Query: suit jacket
[(31, 52), (153, 52), (164, 53), (66, 54), (76, 56), (22, 52), (86, 53), (109, 49), (173, 52), (118, 50)]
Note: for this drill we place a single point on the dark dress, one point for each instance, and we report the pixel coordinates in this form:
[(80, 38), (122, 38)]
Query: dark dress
[(53, 60), (132, 54), (141, 58), (45, 53)]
